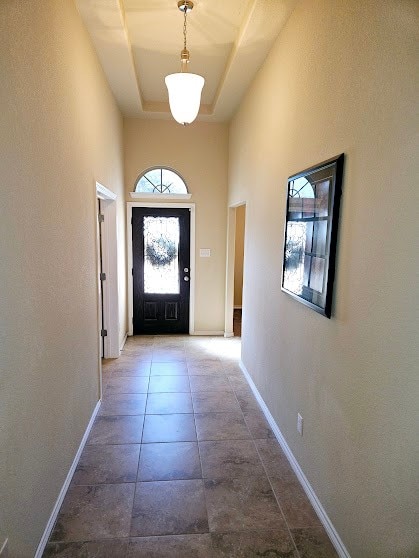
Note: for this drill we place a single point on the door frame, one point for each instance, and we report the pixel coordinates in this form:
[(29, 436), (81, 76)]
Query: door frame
[(156, 205), (231, 252), (110, 267)]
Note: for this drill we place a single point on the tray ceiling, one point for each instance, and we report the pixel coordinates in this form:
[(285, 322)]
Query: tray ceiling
[(138, 43)]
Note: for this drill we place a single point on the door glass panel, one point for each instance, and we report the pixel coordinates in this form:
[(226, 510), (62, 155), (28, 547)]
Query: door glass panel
[(161, 255)]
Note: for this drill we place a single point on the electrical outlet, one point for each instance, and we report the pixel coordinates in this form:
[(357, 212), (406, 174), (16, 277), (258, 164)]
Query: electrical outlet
[(4, 550), (300, 422)]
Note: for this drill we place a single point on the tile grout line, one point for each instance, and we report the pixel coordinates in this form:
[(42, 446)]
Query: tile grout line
[(225, 373), (267, 476), (270, 484), (139, 457), (167, 442), (279, 505), (202, 470)]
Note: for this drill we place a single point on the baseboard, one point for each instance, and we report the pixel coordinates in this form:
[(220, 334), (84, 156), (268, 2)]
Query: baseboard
[(229, 334), (124, 340), (211, 333), (63, 491), (4, 550), (237, 307), (308, 489)]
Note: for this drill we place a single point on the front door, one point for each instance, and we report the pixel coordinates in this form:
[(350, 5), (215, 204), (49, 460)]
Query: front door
[(161, 270)]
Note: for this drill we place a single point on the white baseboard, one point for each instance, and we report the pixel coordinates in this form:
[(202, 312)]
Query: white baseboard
[(124, 340), (211, 333), (308, 489), (4, 550), (229, 334), (63, 491), (197, 333)]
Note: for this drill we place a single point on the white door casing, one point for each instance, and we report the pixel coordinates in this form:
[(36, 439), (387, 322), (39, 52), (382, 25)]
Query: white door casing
[(110, 267)]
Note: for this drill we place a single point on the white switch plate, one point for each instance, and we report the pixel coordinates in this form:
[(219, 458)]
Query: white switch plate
[(300, 422), (205, 252)]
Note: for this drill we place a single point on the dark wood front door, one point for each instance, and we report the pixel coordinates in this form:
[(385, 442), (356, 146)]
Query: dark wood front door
[(161, 270)]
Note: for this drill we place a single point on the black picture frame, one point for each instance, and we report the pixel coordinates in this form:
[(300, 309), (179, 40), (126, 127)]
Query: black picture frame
[(310, 237)]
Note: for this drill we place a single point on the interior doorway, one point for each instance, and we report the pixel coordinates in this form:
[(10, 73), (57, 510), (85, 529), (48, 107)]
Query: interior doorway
[(238, 270), (102, 276), (234, 308), (107, 249)]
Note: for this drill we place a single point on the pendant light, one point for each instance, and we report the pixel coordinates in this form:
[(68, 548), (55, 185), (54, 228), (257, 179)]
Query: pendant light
[(184, 88)]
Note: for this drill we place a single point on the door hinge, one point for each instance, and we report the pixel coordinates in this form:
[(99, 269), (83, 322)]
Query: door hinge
[(103, 332), (100, 217), (103, 276)]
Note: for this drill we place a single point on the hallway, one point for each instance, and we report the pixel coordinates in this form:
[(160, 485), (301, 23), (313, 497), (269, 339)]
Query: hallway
[(181, 463)]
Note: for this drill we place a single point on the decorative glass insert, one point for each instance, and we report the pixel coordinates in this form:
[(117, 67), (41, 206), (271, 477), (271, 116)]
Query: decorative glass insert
[(161, 181), (161, 255)]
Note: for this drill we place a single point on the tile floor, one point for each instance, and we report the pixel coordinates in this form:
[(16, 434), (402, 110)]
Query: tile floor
[(181, 463)]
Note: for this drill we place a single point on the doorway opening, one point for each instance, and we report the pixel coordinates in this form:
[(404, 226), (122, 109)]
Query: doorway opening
[(107, 250), (238, 270), (235, 266), (102, 276)]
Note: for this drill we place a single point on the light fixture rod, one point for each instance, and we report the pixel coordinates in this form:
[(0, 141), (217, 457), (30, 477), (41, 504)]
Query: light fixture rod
[(184, 6), (184, 29), (184, 88)]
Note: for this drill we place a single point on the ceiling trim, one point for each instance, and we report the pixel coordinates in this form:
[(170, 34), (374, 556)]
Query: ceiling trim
[(131, 55)]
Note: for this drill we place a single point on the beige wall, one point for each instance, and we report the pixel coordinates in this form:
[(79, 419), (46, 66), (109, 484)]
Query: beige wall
[(60, 131), (199, 152), (342, 77), (239, 254)]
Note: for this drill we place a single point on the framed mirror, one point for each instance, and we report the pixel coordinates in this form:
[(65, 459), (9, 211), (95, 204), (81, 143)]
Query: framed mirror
[(311, 226)]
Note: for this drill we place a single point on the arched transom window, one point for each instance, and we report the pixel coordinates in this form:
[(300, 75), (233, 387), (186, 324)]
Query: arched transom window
[(160, 180)]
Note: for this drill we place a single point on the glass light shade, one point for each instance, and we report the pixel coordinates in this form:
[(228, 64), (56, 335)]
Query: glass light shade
[(184, 95)]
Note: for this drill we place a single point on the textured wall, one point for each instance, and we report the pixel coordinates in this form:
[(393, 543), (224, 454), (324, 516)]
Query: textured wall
[(60, 131), (199, 152), (342, 77)]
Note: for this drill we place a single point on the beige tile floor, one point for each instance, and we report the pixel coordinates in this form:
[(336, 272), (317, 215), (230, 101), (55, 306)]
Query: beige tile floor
[(181, 463)]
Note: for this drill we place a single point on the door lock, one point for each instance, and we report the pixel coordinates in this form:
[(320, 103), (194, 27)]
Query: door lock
[(186, 278)]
